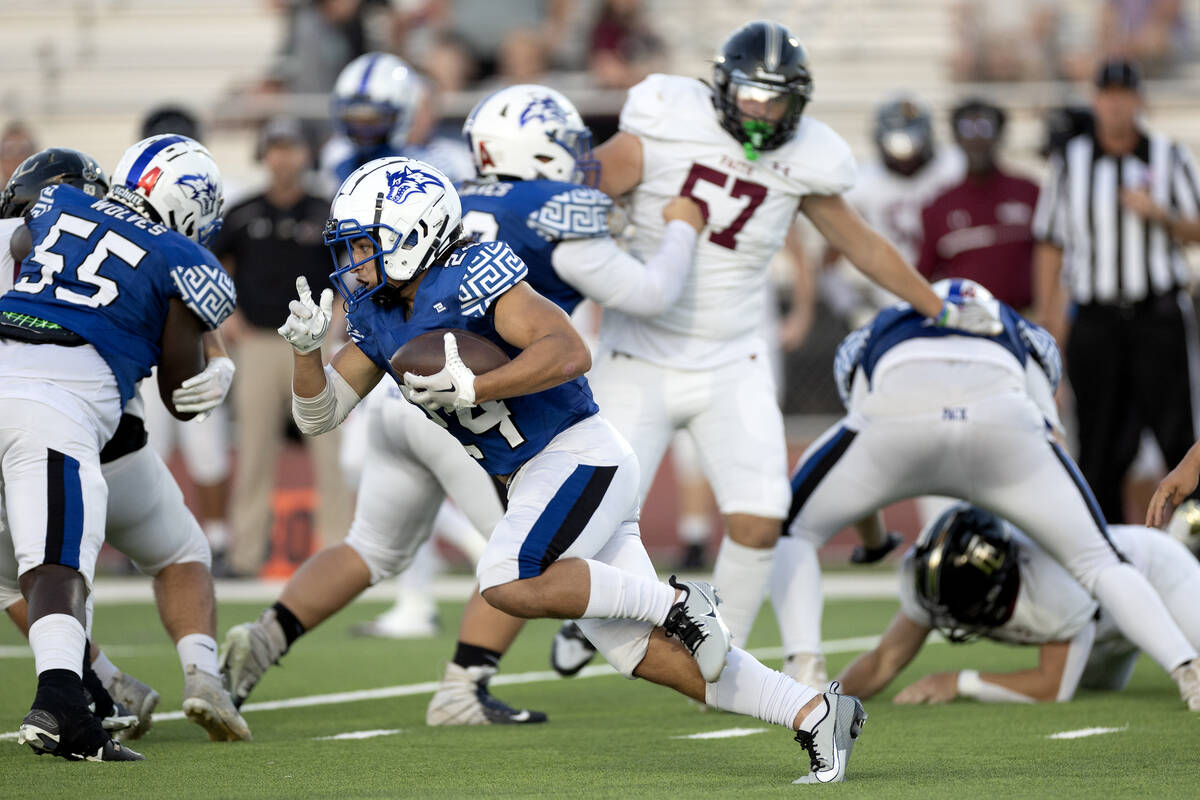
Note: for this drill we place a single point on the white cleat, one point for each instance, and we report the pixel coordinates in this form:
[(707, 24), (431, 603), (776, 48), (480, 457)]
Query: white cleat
[(697, 624), (463, 698), (1187, 677), (248, 651), (208, 704), (570, 650), (139, 699), (401, 622), (807, 669), (830, 742)]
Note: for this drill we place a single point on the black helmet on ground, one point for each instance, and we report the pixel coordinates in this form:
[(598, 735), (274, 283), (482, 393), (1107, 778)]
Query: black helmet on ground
[(51, 166), (966, 572), (761, 84)]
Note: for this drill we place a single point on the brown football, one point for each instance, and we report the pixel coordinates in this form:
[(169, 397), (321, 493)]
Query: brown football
[(426, 354)]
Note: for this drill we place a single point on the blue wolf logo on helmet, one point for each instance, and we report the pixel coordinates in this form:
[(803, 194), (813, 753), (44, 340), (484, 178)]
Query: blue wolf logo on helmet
[(203, 189), (544, 109), (407, 182)]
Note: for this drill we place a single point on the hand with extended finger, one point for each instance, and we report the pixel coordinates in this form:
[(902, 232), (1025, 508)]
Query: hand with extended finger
[(206, 390), (452, 387), (308, 322)]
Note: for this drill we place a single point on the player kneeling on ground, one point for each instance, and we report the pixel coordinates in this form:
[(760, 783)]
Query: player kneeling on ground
[(940, 412), (568, 546), (972, 574)]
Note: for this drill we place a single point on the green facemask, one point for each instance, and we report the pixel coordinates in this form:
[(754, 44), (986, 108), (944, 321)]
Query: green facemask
[(757, 130)]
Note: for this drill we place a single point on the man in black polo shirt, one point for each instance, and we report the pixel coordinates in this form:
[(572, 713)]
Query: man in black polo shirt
[(1112, 218), (268, 241)]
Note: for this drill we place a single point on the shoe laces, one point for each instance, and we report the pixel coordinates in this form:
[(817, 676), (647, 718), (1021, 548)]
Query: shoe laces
[(808, 742), (681, 625)]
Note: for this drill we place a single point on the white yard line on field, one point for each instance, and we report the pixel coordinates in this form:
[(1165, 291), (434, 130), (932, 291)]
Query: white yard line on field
[(726, 733), (850, 645), (109, 590), (358, 735), (1082, 732)]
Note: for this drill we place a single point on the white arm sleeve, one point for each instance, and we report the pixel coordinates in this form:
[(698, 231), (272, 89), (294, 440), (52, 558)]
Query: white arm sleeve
[(605, 273), (323, 413), (972, 686)]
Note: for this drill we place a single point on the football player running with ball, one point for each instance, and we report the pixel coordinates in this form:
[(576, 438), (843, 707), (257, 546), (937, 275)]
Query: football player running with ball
[(747, 154), (568, 546), (111, 288)]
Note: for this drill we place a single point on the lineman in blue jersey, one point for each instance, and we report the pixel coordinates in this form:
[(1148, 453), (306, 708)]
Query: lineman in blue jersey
[(111, 288), (934, 411), (568, 545), (146, 518), (532, 154)]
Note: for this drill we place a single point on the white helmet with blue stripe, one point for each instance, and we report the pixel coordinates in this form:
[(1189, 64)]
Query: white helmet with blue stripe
[(375, 100), (527, 132), (407, 208), (173, 180), (962, 290)]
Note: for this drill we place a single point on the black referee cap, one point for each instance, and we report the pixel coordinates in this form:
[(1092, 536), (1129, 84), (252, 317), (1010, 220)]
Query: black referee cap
[(1119, 74)]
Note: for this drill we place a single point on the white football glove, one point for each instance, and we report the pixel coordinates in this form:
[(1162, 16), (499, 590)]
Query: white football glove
[(452, 387), (971, 317), (206, 390), (306, 326)]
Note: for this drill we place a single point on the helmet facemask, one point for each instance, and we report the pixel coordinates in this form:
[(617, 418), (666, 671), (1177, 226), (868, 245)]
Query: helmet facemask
[(406, 209), (765, 114)]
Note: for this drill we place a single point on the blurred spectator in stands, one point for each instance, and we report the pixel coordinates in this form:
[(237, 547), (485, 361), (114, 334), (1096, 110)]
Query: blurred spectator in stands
[(172, 118), (16, 145), (449, 64), (1152, 32), (487, 27), (203, 445), (981, 228), (322, 37), (623, 49), (1014, 40), (522, 58), (267, 242)]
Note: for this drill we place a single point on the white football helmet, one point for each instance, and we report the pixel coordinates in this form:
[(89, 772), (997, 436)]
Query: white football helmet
[(527, 132), (409, 209), (375, 100), (962, 290), (173, 180)]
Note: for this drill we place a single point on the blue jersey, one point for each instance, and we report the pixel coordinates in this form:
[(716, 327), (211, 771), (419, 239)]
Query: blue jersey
[(107, 274), (892, 326), (533, 217), (502, 434)]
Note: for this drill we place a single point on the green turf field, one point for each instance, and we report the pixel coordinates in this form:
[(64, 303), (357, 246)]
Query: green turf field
[(607, 737)]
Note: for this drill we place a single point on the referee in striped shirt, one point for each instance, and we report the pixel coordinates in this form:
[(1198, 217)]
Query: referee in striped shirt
[(1113, 215)]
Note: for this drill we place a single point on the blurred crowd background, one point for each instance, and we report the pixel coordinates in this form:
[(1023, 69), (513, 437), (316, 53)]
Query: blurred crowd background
[(87, 73)]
